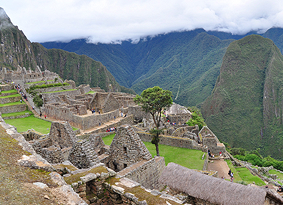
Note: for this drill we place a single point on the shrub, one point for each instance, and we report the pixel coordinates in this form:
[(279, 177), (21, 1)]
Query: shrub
[(38, 101), (196, 119)]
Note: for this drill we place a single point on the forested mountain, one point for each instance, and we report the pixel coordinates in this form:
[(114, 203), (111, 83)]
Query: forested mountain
[(187, 63), (16, 49), (246, 106)]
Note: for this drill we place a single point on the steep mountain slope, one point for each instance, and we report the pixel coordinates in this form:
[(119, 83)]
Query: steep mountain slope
[(245, 107), (187, 63), (16, 49)]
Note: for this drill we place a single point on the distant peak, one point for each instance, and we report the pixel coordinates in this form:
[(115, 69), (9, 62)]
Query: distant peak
[(5, 21)]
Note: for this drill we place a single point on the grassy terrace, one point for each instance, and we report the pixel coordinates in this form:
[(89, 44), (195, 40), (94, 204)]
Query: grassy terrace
[(58, 91), (16, 113), (13, 103), (11, 96), (189, 158), (9, 91), (242, 174), (31, 122), (39, 82)]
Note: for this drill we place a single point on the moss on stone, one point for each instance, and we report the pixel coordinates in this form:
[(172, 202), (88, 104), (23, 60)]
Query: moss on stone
[(76, 177)]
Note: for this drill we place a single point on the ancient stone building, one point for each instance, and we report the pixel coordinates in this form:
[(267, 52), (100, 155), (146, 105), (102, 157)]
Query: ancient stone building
[(178, 114), (211, 141), (126, 149)]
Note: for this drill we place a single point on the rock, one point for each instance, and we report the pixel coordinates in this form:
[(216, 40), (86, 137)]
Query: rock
[(46, 197), (40, 185)]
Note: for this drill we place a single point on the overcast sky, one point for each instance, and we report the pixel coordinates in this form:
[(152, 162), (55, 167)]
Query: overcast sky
[(115, 20)]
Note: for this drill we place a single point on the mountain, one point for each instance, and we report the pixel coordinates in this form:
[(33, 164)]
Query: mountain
[(187, 63), (16, 49), (245, 107)]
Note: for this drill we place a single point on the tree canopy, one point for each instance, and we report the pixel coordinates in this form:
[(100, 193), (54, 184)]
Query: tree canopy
[(154, 100)]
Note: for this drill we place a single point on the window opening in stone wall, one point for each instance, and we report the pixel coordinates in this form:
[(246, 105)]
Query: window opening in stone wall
[(125, 150), (125, 165)]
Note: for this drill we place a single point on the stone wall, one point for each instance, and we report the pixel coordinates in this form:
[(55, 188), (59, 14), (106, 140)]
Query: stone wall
[(172, 141), (51, 89), (126, 149), (13, 108), (10, 99), (179, 119), (49, 96), (137, 112), (148, 173), (6, 87)]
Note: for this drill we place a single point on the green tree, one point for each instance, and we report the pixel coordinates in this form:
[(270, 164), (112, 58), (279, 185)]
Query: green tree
[(153, 101), (196, 119)]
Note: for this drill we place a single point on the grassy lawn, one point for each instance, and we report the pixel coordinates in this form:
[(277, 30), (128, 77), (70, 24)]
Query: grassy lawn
[(237, 177), (13, 103), (16, 113), (10, 96), (9, 91), (108, 139), (31, 122), (246, 176), (279, 174), (186, 157), (58, 91)]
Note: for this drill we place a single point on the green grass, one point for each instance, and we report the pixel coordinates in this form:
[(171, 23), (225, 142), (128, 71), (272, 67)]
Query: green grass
[(10, 96), (37, 82), (237, 177), (108, 139), (189, 158), (31, 122), (90, 92), (58, 91), (13, 103), (246, 176), (186, 157), (279, 174), (9, 91), (16, 113)]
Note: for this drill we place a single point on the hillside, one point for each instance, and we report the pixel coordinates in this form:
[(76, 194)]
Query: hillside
[(245, 107), (187, 62), (16, 50)]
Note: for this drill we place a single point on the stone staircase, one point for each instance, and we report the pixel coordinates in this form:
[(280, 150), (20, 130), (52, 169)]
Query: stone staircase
[(90, 153)]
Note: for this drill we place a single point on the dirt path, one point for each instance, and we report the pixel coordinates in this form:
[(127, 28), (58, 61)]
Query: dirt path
[(220, 166)]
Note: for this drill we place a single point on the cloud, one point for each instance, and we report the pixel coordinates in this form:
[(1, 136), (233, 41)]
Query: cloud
[(115, 20)]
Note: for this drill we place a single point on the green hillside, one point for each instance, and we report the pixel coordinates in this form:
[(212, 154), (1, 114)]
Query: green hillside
[(190, 60), (16, 50), (245, 107)]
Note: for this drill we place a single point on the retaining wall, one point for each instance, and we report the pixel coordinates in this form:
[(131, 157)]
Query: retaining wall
[(13, 108), (172, 141), (10, 99)]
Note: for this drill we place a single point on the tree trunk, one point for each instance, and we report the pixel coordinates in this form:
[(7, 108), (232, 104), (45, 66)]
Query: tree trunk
[(157, 149)]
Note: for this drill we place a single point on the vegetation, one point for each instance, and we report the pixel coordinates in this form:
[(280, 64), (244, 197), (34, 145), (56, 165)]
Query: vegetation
[(189, 158), (11, 96), (196, 119), (12, 103), (16, 177), (153, 101), (247, 177), (31, 122), (37, 100), (58, 91), (8, 91), (16, 113), (33, 87), (237, 110)]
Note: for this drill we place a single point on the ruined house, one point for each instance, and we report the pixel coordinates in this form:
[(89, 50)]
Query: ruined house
[(204, 189)]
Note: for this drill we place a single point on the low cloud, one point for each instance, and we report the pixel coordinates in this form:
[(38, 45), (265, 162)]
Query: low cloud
[(108, 21)]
